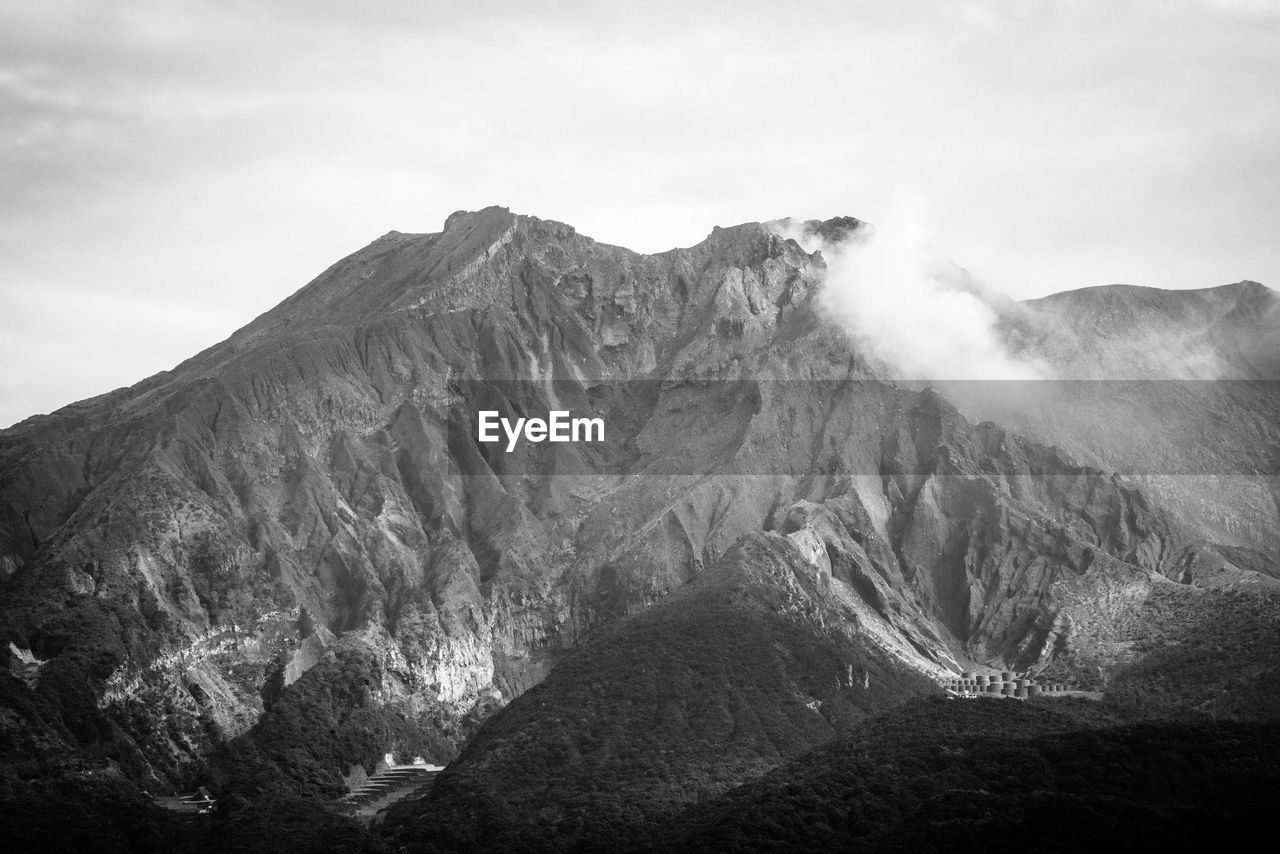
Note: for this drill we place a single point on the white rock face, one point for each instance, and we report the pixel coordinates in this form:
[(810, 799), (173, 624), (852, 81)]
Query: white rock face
[(813, 549)]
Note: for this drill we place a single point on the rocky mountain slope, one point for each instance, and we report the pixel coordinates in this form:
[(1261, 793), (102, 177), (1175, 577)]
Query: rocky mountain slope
[(1175, 389), (1122, 332), (177, 554)]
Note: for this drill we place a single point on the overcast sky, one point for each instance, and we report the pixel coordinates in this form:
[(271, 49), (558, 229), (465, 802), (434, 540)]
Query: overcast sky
[(169, 169)]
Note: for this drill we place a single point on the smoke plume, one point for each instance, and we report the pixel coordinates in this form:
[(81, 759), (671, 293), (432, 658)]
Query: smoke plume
[(909, 309)]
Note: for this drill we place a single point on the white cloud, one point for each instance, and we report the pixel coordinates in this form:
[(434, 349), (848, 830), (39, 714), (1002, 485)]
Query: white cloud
[(908, 308)]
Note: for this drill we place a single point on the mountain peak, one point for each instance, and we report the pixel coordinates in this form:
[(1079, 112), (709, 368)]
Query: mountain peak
[(830, 231), (470, 219)]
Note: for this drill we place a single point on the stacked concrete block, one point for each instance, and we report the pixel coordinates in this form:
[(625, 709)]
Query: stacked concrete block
[(1003, 684)]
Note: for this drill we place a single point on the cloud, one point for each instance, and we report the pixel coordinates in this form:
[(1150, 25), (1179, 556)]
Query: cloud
[(909, 308), (1246, 7)]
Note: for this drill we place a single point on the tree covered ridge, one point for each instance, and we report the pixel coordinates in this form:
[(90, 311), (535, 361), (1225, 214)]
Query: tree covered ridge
[(707, 689), (1053, 774)]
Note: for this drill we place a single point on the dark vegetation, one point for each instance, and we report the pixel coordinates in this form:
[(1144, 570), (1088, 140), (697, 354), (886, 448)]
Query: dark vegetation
[(282, 823), (1203, 652), (929, 774), (110, 815), (636, 742), (318, 728), (272, 783), (926, 775), (1005, 776), (706, 690), (83, 813), (59, 717), (715, 721), (722, 719)]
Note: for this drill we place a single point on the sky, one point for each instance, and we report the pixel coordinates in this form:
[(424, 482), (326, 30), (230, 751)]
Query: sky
[(170, 169)]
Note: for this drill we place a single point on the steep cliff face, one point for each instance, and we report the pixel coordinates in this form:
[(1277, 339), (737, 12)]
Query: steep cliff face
[(176, 552)]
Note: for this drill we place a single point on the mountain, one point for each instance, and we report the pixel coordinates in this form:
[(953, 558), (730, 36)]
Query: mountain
[(1128, 332), (292, 554), (755, 661), (1177, 390)]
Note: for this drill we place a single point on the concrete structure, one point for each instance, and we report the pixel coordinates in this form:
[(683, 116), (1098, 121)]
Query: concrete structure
[(1003, 684), (199, 802), (388, 787)]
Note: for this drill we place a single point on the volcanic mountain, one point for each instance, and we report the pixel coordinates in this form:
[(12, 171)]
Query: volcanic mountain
[(300, 523)]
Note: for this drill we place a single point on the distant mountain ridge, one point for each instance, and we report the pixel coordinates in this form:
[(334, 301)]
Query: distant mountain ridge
[(1130, 332)]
